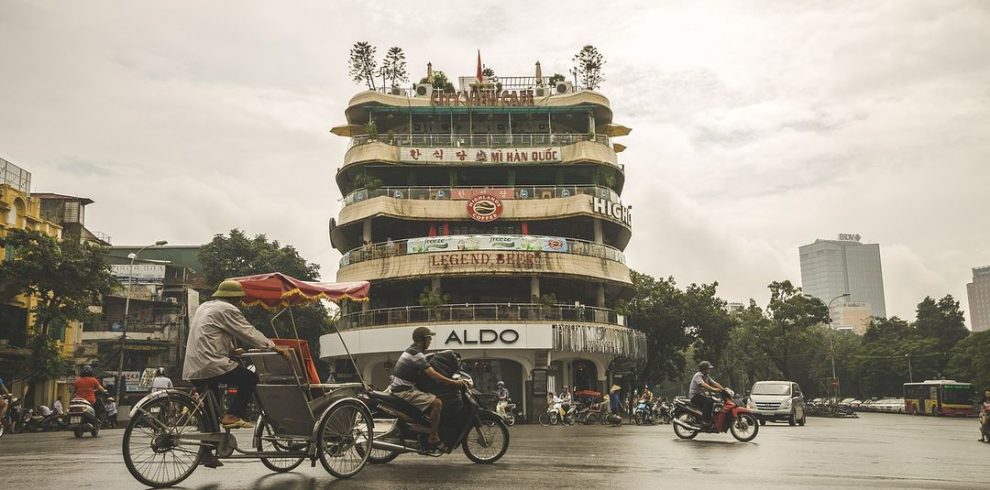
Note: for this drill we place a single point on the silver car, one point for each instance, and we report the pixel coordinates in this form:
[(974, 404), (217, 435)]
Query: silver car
[(777, 401)]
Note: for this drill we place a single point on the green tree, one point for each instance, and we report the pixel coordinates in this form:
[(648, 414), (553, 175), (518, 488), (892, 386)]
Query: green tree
[(969, 361), (440, 81), (887, 329), (362, 66), (66, 278), (239, 255), (588, 64), (711, 325), (941, 320), (656, 310), (394, 66)]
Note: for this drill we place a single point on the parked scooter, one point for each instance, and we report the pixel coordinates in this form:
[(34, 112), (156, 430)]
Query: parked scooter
[(37, 421), (728, 416), (664, 412), (507, 410), (482, 434), (82, 417)]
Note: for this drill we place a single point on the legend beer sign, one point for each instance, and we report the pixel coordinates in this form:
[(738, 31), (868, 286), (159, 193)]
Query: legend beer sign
[(613, 210)]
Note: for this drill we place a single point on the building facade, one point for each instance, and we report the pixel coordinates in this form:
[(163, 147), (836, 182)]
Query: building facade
[(978, 293), (20, 210), (493, 215), (831, 268)]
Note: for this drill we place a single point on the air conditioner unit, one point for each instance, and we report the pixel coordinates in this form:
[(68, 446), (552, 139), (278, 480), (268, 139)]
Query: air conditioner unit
[(542, 91), (172, 300), (422, 90), (564, 88)]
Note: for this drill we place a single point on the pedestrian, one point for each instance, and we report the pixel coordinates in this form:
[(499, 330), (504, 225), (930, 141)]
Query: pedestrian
[(615, 398), (161, 382), (111, 406)]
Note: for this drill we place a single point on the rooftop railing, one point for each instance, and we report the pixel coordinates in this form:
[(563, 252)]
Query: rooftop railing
[(470, 243), (506, 83), (483, 312), (482, 140), (443, 193)]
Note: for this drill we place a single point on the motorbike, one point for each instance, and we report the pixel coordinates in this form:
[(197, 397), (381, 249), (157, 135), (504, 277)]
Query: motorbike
[(507, 409), (482, 434), (664, 412), (33, 421), (82, 418), (559, 412), (644, 413), (727, 416), (12, 420)]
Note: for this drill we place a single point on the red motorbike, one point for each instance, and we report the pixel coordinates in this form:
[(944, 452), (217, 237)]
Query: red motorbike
[(729, 416)]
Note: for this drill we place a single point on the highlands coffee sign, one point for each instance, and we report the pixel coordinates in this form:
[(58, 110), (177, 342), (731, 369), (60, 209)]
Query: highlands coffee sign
[(613, 210), (484, 208)]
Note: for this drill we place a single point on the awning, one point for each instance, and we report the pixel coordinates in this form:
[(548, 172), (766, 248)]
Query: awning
[(614, 130), (618, 147), (277, 290), (347, 130)]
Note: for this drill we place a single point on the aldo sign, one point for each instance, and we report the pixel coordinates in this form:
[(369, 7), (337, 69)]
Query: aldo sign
[(483, 336)]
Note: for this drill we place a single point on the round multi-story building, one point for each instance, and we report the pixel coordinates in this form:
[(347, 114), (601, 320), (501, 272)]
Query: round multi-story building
[(491, 214)]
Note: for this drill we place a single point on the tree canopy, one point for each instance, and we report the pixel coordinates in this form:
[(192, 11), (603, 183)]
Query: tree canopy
[(394, 66), (362, 66), (588, 65)]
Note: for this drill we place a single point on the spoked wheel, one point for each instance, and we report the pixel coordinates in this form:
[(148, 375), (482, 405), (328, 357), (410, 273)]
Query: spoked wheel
[(269, 443), (554, 418), (344, 440), (544, 419), (570, 418), (152, 451), (745, 427), (488, 446), (683, 433), (638, 418), (383, 428)]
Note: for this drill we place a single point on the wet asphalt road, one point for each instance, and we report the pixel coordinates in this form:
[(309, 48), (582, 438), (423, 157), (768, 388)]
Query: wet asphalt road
[(876, 450)]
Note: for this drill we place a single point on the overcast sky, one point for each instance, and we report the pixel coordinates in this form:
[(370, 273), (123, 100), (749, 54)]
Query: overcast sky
[(757, 126)]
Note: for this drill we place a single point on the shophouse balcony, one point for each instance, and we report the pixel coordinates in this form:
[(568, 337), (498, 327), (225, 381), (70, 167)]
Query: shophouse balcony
[(473, 243), (484, 312), (443, 193)]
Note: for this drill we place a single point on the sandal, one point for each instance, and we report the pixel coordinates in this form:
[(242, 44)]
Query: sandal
[(239, 424)]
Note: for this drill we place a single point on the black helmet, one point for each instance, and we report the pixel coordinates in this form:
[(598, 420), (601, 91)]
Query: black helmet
[(86, 371), (704, 365)]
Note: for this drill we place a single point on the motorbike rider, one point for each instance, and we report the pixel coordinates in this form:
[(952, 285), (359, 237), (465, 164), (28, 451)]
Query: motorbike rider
[(410, 368), (87, 386), (700, 384), (646, 396), (502, 395), (160, 381), (218, 323), (985, 417)]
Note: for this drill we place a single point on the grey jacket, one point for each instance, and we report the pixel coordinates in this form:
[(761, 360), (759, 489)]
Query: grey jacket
[(212, 335)]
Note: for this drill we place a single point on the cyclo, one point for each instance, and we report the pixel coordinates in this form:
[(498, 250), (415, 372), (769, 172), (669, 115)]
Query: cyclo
[(299, 418)]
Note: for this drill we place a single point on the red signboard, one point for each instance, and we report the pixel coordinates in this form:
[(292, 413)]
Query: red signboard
[(484, 208)]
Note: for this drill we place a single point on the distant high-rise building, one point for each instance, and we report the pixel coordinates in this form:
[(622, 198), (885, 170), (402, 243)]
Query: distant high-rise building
[(831, 268), (979, 299)]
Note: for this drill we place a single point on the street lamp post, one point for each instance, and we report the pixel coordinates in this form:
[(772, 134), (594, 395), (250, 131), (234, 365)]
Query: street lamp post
[(910, 373), (831, 343), (127, 309)]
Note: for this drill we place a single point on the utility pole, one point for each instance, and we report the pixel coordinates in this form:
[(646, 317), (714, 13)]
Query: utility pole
[(127, 307), (831, 342), (910, 374)]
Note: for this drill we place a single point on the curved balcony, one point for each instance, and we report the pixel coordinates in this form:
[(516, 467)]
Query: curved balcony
[(485, 312), (486, 140), (473, 243), (445, 193)]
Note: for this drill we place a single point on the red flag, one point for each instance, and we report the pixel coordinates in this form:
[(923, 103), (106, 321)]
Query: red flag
[(480, 74)]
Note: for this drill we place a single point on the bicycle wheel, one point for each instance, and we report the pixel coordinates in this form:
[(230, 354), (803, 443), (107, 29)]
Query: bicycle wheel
[(270, 443), (153, 453), (544, 419), (344, 440)]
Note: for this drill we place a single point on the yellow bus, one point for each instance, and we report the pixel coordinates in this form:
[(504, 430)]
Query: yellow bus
[(939, 397)]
